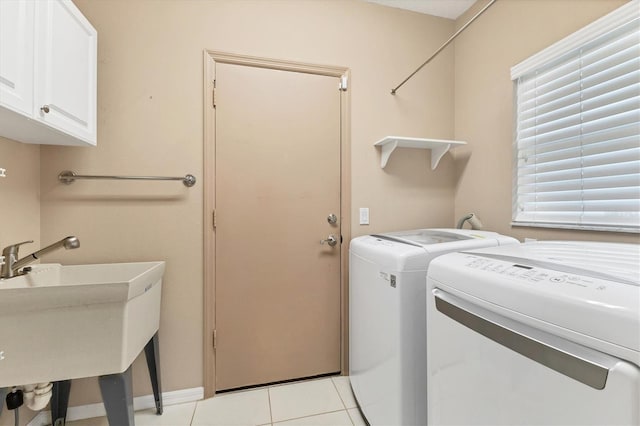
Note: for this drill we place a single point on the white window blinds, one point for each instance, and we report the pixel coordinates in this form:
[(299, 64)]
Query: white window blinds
[(577, 129)]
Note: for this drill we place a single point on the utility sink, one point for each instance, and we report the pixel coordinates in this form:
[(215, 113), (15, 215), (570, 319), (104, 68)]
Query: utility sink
[(63, 322)]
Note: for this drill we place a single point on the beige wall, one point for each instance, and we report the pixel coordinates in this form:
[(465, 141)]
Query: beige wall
[(509, 32), (19, 210), (20, 194), (150, 121)]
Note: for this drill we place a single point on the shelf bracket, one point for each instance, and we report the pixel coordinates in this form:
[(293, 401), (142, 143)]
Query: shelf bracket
[(386, 151), (437, 153)]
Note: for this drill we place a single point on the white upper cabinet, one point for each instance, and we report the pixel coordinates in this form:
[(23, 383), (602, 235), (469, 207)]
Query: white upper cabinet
[(16, 55), (62, 62), (65, 60)]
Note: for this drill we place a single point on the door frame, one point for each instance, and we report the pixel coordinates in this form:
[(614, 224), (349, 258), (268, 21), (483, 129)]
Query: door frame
[(210, 59)]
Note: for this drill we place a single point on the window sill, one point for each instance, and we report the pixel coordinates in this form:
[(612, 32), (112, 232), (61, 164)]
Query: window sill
[(576, 227)]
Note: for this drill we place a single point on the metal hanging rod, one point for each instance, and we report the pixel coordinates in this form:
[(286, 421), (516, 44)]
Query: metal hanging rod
[(446, 43), (69, 177)]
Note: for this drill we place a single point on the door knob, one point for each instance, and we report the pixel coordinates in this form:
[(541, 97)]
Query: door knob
[(331, 240), (45, 109)]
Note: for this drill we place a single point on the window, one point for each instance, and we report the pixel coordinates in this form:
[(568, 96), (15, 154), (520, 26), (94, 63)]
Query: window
[(577, 129)]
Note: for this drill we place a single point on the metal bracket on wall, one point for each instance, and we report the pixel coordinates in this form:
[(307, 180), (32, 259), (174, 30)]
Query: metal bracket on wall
[(344, 83), (446, 43)]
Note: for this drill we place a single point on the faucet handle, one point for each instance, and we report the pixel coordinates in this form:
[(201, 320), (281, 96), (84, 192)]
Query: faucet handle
[(13, 248)]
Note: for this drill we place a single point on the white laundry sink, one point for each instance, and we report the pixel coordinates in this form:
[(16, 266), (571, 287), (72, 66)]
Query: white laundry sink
[(65, 322)]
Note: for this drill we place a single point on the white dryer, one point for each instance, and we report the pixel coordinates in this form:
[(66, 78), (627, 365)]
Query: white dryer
[(387, 311), (544, 333)]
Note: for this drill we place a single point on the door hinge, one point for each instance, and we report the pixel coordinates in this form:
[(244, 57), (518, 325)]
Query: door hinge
[(213, 95), (214, 339), (343, 83), (214, 218)]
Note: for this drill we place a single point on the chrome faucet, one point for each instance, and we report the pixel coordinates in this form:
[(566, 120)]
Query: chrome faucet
[(12, 264)]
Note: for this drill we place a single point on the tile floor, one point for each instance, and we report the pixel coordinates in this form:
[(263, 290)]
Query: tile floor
[(327, 401)]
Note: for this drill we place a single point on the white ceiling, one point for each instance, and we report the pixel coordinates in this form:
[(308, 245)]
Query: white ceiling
[(444, 8)]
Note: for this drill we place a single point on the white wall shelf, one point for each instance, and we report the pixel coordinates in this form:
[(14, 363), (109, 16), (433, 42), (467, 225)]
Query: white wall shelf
[(438, 147)]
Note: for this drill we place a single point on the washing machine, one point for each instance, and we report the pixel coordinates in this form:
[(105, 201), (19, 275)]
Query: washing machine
[(387, 311), (544, 333)]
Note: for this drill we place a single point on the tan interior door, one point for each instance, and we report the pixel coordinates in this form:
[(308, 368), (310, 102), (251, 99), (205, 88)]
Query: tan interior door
[(277, 180)]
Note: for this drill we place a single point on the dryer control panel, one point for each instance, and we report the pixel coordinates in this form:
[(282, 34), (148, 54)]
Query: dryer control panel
[(532, 273)]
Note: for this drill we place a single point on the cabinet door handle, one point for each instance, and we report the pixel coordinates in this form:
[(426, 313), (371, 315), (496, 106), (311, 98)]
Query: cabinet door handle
[(45, 109)]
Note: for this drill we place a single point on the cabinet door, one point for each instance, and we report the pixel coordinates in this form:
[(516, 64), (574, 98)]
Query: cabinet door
[(65, 69), (16, 55)]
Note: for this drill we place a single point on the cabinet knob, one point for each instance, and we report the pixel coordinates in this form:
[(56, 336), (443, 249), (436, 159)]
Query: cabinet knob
[(45, 109)]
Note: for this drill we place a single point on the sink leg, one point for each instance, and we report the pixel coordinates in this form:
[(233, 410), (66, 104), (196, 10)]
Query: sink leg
[(60, 402), (117, 395), (152, 353)]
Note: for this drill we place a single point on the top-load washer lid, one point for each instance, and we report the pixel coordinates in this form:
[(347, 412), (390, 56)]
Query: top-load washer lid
[(427, 237), (412, 250), (581, 289), (423, 237)]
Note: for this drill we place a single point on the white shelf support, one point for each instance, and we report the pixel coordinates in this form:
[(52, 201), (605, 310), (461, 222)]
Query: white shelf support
[(385, 152), (437, 153), (438, 147)]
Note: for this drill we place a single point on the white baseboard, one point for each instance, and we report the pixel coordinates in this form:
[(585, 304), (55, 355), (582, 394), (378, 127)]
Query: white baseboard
[(139, 403)]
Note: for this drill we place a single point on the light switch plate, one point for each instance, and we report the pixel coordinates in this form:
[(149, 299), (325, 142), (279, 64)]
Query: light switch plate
[(364, 215)]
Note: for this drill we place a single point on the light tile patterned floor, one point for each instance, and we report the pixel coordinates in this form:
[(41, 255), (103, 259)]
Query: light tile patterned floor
[(327, 402)]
